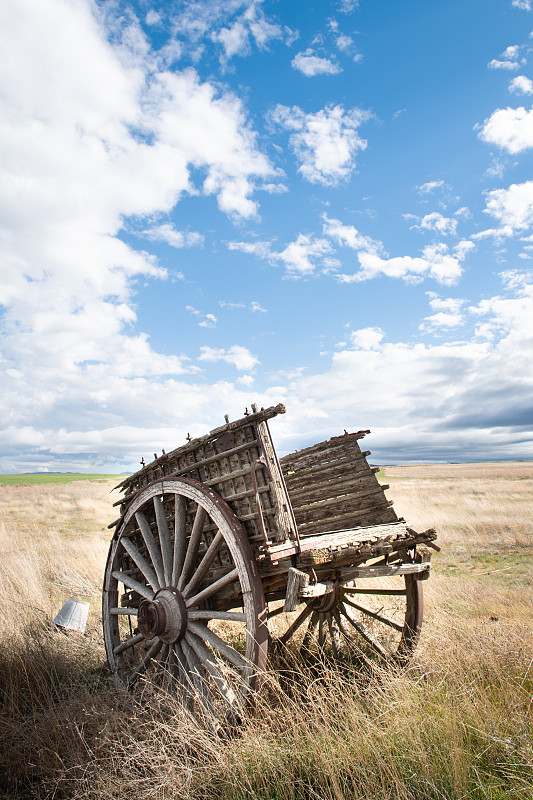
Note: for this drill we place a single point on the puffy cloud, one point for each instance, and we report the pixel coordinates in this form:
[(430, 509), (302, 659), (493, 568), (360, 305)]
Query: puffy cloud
[(437, 222), (310, 64), (237, 355), (448, 313), (509, 128), (512, 207), (428, 187), (525, 5), (300, 258), (232, 25), (521, 85), (367, 338), (325, 143), (349, 236), (435, 262), (497, 64), (168, 233)]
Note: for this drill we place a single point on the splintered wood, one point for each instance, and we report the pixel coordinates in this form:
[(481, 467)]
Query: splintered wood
[(332, 487)]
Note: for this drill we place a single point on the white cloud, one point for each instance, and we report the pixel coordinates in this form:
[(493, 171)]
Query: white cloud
[(512, 207), (205, 320), (254, 306), (232, 25), (301, 255), (349, 236), (325, 143), (497, 64), (525, 5), (300, 258), (168, 233), (521, 85), (437, 222), (511, 52), (435, 262), (428, 187), (367, 338), (236, 355), (152, 17), (344, 43), (448, 313), (509, 128), (310, 64)]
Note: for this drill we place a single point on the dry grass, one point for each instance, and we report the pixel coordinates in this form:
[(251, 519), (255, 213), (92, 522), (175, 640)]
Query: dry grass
[(457, 724)]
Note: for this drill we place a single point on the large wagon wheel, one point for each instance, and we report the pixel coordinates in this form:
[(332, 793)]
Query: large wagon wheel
[(372, 618), (183, 604)]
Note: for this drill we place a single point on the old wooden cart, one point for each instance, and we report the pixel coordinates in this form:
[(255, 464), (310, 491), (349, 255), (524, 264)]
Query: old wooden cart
[(221, 549)]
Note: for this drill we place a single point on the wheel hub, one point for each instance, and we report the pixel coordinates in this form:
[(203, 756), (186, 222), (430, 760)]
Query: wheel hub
[(329, 600), (165, 616)]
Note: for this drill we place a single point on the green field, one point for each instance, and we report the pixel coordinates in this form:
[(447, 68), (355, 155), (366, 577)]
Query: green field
[(55, 477)]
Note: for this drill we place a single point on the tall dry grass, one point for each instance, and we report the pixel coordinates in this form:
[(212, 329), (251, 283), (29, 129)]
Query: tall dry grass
[(457, 724)]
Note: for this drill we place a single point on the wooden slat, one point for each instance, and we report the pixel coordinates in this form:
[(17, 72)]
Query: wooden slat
[(357, 467), (345, 485), (363, 517), (340, 505), (320, 452)]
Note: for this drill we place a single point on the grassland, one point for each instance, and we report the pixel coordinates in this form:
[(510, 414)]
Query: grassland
[(456, 724), (33, 478)]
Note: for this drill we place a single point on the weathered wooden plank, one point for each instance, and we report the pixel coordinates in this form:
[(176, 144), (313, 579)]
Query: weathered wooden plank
[(328, 471), (345, 485), (364, 516), (340, 505), (321, 451)]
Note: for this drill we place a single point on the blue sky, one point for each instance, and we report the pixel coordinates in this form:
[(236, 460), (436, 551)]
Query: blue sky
[(208, 204)]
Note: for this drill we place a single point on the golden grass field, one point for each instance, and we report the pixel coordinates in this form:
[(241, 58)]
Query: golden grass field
[(456, 724)]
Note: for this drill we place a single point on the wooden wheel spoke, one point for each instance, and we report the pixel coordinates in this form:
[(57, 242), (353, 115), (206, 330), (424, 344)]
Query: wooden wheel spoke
[(321, 629), (367, 636), (335, 636), (141, 562), (126, 611), (233, 616), (160, 663), (302, 616), (208, 660), (192, 548), (310, 630), (179, 670), (131, 583), (127, 643), (204, 564), (218, 644), (213, 588), (375, 615), (164, 538), (195, 678), (145, 663), (179, 538), (153, 549), (386, 592)]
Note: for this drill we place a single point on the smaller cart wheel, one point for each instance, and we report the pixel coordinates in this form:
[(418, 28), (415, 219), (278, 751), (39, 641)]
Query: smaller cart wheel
[(376, 618), (183, 604)]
